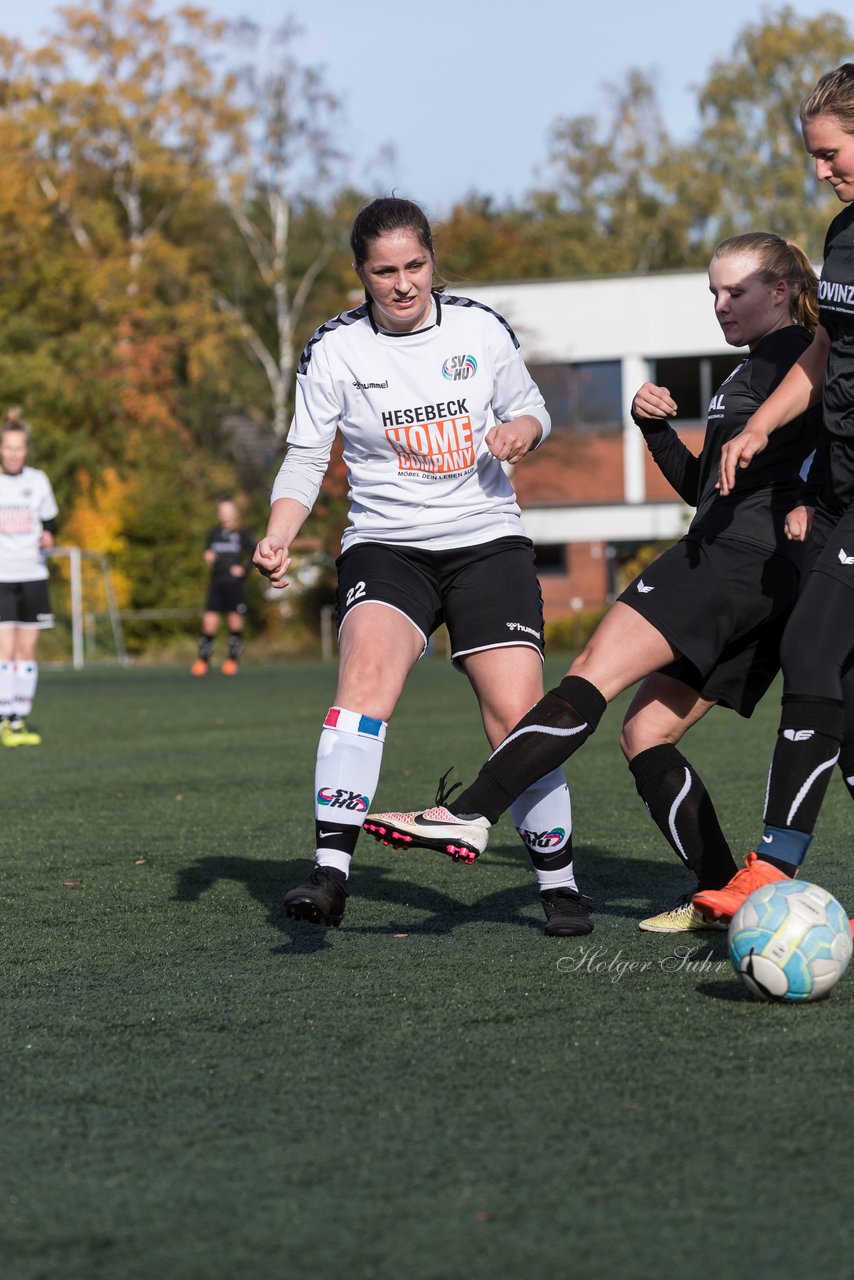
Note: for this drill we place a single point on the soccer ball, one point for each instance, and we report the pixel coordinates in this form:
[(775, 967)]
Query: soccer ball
[(790, 940)]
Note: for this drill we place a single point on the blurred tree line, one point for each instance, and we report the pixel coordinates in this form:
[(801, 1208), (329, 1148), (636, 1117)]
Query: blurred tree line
[(174, 223)]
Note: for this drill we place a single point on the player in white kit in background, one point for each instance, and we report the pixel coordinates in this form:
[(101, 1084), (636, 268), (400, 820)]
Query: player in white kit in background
[(28, 514)]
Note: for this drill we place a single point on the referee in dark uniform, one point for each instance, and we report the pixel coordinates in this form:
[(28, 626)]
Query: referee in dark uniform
[(228, 552)]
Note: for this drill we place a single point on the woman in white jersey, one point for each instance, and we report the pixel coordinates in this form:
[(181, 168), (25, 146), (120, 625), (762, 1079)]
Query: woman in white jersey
[(432, 396), (27, 525)]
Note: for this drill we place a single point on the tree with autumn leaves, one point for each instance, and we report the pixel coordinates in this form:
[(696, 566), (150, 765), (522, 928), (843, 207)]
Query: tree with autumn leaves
[(161, 264), (135, 180)]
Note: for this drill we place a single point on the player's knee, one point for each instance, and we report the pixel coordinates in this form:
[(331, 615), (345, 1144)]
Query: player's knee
[(637, 736), (580, 664), (641, 733), (369, 690)]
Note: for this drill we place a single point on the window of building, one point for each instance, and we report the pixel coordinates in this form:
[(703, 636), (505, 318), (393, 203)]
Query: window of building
[(551, 558), (692, 380), (584, 398)]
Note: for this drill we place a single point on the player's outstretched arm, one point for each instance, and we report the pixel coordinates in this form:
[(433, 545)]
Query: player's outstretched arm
[(271, 554), (800, 389)]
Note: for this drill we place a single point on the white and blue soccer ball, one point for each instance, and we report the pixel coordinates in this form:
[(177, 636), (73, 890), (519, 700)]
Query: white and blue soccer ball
[(790, 940)]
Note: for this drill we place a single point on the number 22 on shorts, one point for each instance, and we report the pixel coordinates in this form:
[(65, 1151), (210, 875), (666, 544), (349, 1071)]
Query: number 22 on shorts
[(355, 593)]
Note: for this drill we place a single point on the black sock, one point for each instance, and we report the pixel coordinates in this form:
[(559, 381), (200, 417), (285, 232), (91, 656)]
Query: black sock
[(206, 644), (681, 808), (807, 748), (788, 868), (235, 644), (562, 720)]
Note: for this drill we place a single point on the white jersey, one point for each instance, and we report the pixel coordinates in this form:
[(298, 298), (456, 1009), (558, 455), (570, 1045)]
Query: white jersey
[(26, 499), (413, 410)]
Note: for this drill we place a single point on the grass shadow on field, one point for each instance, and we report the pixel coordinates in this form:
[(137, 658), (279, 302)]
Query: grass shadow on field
[(618, 886), (733, 992), (265, 879), (415, 907)]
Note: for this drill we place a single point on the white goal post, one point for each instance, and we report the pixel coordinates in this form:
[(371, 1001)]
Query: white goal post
[(82, 617)]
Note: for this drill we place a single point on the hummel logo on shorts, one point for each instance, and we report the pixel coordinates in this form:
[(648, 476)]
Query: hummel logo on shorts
[(844, 559), (642, 587)]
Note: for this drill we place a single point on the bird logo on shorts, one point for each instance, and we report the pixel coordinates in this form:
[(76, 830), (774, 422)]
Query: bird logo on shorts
[(845, 559), (642, 587)]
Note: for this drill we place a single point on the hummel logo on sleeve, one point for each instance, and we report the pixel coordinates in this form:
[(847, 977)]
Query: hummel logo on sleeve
[(642, 586), (844, 559)]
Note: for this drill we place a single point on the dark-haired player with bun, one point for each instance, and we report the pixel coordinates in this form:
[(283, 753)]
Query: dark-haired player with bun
[(432, 398)]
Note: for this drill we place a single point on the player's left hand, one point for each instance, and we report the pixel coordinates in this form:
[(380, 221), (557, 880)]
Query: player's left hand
[(237, 571), (798, 523), (45, 541), (511, 441)]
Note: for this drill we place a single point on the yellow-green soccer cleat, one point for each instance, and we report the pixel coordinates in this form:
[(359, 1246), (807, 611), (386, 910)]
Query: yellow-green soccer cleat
[(682, 918), (14, 733)]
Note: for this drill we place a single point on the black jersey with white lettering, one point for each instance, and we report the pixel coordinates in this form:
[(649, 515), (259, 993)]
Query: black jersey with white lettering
[(836, 303), (231, 547), (756, 509)]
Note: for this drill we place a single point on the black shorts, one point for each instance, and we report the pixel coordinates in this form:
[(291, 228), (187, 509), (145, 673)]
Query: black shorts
[(723, 606), (488, 595), (25, 604), (226, 595), (830, 545)]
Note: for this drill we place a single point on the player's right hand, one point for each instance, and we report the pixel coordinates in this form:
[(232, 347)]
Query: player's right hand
[(737, 454), (798, 523), (271, 558), (653, 402)]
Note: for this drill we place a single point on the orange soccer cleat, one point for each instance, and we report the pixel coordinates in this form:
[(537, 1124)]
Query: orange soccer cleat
[(722, 904), (229, 667), (199, 668)]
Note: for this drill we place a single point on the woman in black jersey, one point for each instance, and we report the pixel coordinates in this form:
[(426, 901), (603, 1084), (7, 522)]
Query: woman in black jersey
[(702, 624), (818, 647)]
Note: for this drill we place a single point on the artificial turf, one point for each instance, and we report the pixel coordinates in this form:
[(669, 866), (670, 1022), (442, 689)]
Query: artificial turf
[(196, 1088)]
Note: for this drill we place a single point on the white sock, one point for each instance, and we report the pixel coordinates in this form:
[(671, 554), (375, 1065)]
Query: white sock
[(24, 680), (349, 757), (542, 816), (7, 690)]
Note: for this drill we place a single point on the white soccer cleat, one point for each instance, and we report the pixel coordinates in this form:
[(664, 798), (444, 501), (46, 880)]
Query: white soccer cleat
[(460, 838)]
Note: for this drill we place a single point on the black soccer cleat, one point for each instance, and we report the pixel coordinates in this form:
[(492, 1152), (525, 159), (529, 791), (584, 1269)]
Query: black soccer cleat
[(320, 899), (567, 913)]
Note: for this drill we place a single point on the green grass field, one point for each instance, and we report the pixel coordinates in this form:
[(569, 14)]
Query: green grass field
[(196, 1088)]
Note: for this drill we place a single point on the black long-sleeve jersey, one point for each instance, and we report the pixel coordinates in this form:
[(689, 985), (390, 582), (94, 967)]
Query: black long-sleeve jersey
[(836, 313), (232, 546), (756, 509)]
